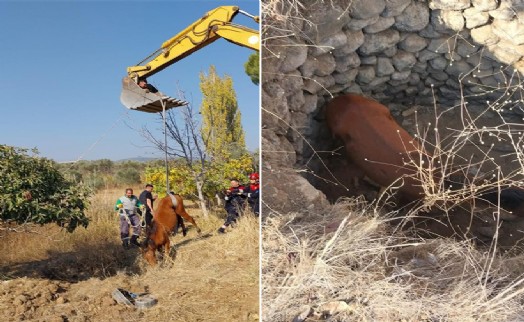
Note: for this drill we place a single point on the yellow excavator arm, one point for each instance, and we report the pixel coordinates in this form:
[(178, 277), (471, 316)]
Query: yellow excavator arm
[(213, 25)]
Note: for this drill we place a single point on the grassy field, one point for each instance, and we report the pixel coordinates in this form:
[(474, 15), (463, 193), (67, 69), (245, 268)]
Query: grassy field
[(50, 275)]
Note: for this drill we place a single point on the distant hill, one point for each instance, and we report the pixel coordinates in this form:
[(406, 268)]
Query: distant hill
[(139, 159)]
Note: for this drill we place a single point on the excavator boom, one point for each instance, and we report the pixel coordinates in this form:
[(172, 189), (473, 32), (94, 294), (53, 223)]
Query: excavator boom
[(213, 25)]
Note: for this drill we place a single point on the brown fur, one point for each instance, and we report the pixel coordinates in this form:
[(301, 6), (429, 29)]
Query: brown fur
[(164, 222), (375, 142)]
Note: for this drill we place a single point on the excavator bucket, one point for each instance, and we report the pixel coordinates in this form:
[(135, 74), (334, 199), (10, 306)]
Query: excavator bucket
[(136, 98)]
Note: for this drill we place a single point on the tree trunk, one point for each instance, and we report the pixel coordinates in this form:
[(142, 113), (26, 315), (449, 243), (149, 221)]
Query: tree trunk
[(219, 200), (199, 184)]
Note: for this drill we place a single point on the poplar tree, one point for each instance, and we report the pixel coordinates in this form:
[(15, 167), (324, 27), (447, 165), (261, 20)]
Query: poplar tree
[(221, 119), (252, 68)]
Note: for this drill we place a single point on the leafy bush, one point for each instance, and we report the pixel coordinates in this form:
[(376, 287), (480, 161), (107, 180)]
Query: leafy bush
[(32, 190)]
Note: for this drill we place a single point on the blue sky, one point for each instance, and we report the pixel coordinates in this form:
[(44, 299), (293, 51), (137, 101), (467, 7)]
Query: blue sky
[(62, 63)]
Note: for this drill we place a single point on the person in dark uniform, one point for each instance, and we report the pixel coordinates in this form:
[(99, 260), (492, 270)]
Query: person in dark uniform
[(252, 193), (146, 198), (142, 83), (234, 203)]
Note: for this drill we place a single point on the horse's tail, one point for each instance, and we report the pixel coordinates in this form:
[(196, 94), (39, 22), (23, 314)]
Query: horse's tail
[(174, 200)]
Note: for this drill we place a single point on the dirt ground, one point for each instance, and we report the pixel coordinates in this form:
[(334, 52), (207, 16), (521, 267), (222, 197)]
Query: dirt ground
[(56, 276)]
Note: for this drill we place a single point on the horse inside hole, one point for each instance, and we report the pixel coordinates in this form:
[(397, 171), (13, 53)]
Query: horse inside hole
[(170, 209)]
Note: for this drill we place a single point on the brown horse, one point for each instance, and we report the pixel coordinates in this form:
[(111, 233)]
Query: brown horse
[(375, 142), (166, 219)]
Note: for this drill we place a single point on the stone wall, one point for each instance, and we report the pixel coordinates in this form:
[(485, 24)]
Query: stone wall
[(397, 51)]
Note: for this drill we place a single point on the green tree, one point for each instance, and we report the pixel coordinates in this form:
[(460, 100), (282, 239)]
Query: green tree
[(33, 190), (221, 119), (252, 68)]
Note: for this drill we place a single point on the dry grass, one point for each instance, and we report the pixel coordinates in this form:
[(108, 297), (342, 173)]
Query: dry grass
[(212, 278), (383, 277)]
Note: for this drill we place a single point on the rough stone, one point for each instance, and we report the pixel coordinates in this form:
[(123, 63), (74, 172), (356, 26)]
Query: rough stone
[(453, 83), (503, 12), (286, 191), (519, 66), (414, 79), (449, 4), (292, 83), (484, 5), (401, 76), (453, 19), (426, 55), (438, 74), (359, 24), (378, 81), (324, 21), (329, 44), (277, 150), (447, 21), (466, 49), (484, 35), (321, 66), (430, 81), (459, 68), (375, 43), (414, 18), (420, 67), (403, 61), (355, 39), (318, 85), (390, 52), (504, 56), (475, 17), (366, 74), (509, 30), (381, 25), (395, 7), (275, 106), (430, 32), (511, 48), (368, 60), (347, 62), (479, 73), (294, 57), (325, 65), (310, 103), (296, 101), (489, 81), (439, 63), (308, 68), (384, 67), (442, 45), (345, 77), (365, 9), (453, 56), (413, 43)]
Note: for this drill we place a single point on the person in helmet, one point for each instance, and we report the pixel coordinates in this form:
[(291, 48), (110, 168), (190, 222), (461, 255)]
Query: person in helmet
[(234, 204), (252, 193)]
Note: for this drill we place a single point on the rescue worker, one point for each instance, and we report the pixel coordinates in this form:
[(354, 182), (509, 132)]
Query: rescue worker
[(252, 193), (146, 198), (234, 202), (127, 209), (142, 83)]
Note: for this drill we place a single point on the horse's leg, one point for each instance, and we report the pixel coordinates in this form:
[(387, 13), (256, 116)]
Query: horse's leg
[(180, 223), (149, 255), (167, 247), (187, 217)]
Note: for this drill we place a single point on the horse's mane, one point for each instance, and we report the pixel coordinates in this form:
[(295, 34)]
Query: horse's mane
[(152, 231)]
